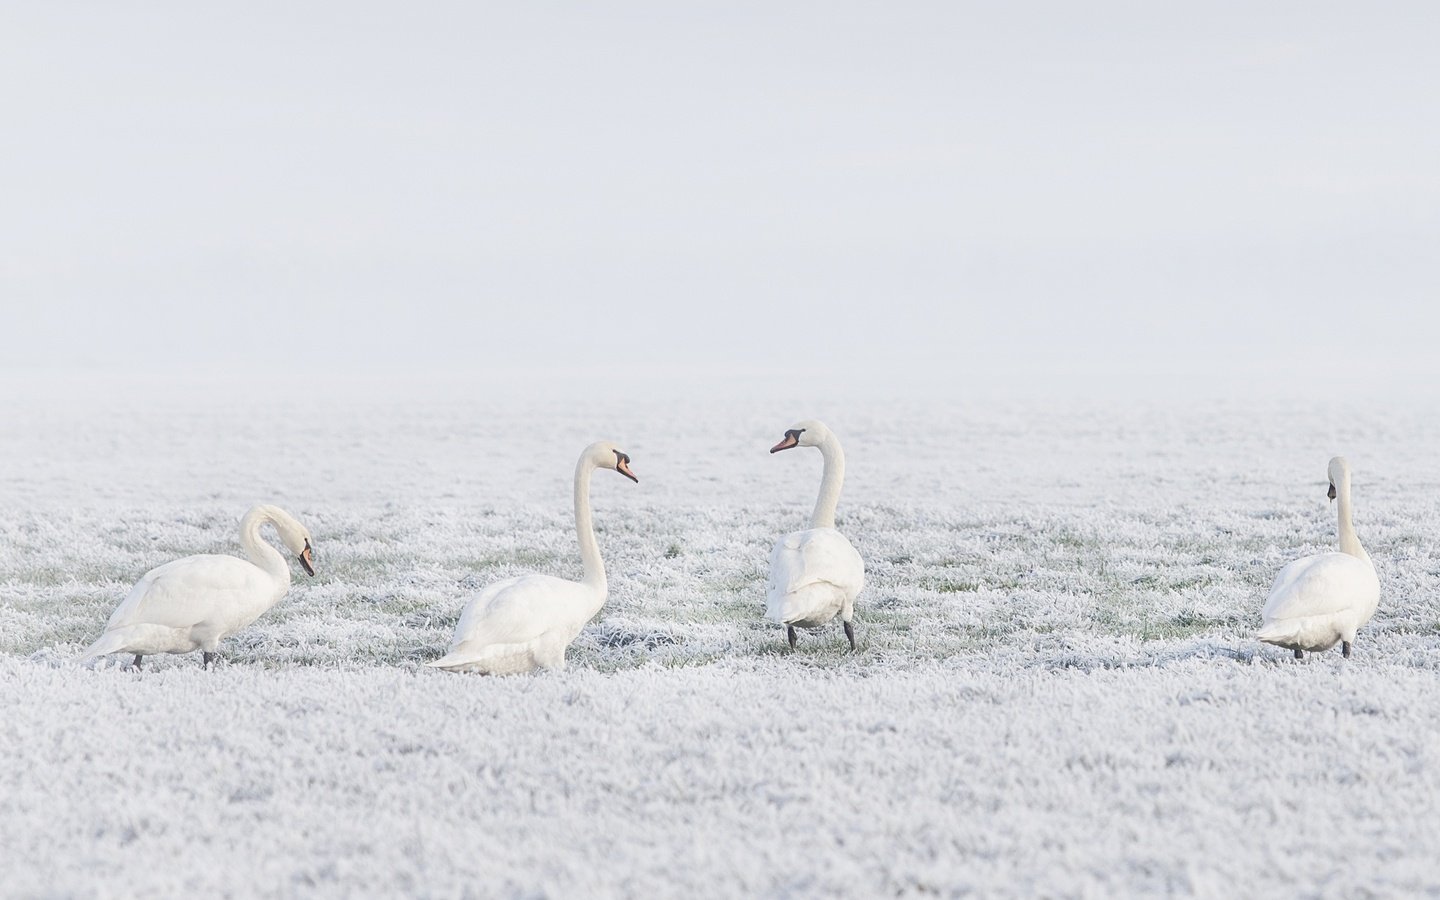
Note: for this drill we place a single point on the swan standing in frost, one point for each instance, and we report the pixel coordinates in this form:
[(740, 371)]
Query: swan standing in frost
[(526, 623), (816, 573), (196, 602), (1324, 599)]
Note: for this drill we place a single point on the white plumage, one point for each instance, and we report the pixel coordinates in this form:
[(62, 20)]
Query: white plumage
[(1319, 601), (195, 602), (815, 574), (526, 623), (520, 625)]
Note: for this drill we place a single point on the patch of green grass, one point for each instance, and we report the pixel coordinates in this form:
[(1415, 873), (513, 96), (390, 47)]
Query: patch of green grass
[(1187, 623), (954, 586), (520, 558), (1194, 581), (43, 576), (748, 582)]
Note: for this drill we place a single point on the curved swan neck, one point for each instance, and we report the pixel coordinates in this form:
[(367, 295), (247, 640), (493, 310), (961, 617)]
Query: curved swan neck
[(830, 483), (1349, 541), (259, 550), (585, 528)]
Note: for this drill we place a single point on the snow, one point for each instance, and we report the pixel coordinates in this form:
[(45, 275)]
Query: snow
[(1057, 689)]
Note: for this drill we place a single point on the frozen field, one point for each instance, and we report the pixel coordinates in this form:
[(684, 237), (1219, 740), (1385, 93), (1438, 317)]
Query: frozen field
[(1056, 692)]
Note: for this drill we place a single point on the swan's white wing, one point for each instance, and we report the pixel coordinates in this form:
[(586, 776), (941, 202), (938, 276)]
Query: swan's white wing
[(192, 590), (1320, 585), (804, 558), (520, 610)]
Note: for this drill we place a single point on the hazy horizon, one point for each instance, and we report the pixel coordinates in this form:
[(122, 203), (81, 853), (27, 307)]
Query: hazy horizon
[(1026, 195)]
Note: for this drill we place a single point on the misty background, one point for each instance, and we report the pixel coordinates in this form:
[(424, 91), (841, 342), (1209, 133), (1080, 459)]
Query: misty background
[(949, 194)]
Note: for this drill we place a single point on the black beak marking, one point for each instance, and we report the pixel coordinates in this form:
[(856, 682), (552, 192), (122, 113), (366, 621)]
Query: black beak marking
[(791, 439), (1331, 492), (622, 465)]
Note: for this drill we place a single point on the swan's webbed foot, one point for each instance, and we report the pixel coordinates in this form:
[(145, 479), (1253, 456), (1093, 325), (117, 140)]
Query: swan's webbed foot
[(790, 633), (850, 634), (1299, 654), (1345, 649), (136, 664), (208, 659)]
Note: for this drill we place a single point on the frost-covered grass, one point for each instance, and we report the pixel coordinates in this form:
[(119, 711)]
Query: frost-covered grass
[(1056, 690)]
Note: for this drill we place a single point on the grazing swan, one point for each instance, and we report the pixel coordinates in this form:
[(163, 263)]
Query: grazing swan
[(815, 573), (526, 623), (1323, 599), (195, 602)]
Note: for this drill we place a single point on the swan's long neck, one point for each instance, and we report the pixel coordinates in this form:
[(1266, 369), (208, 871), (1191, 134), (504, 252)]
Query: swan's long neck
[(1349, 541), (830, 483), (585, 528), (260, 551)]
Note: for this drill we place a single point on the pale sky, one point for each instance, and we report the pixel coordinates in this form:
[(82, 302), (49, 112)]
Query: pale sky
[(951, 190)]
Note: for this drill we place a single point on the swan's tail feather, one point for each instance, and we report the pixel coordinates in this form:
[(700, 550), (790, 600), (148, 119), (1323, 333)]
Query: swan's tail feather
[(107, 643), (817, 601), (494, 659), (143, 638), (1281, 632)]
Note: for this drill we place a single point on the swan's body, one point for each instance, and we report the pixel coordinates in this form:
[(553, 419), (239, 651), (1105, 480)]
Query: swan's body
[(815, 574), (526, 623), (195, 602), (1320, 601), (1323, 600), (520, 625)]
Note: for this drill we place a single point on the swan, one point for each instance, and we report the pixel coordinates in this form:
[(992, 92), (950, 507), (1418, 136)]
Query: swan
[(195, 602), (1322, 599), (526, 623), (815, 573)]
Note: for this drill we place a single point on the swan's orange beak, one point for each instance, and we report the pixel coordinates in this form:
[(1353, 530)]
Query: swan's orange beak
[(307, 560), (622, 466), (790, 440)]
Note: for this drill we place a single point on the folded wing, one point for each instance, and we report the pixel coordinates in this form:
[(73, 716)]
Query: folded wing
[(1320, 585), (819, 554)]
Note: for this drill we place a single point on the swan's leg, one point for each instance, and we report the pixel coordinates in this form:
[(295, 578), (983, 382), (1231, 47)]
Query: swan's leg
[(1345, 649), (209, 658), (850, 633), (790, 632), (1299, 654), (136, 663)]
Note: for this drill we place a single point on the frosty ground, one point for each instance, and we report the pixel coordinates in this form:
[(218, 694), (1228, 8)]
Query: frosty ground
[(1056, 691)]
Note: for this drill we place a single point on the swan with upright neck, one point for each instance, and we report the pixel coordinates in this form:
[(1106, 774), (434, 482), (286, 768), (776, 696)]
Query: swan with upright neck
[(195, 602), (815, 574), (526, 623), (1319, 601)]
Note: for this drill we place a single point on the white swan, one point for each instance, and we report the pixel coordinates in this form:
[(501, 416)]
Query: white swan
[(526, 623), (195, 602), (1324, 599), (816, 573)]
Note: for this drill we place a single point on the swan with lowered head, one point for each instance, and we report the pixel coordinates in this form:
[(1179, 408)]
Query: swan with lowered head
[(195, 602), (815, 574), (526, 623), (1322, 600)]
